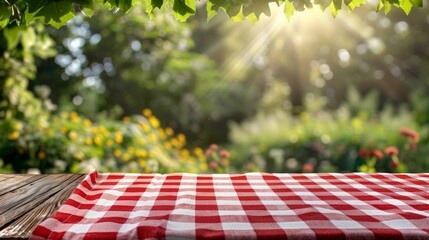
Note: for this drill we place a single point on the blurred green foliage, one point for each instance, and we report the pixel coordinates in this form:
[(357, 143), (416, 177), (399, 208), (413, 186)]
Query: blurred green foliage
[(67, 142), (288, 112), (330, 141)]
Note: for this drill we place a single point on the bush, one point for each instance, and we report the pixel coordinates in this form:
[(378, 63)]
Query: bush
[(67, 142), (324, 141)]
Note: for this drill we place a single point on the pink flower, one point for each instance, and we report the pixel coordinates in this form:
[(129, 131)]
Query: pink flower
[(209, 152), (224, 154), (394, 164), (213, 147), (377, 153), (411, 134), (308, 168), (214, 165), (392, 150), (363, 153)]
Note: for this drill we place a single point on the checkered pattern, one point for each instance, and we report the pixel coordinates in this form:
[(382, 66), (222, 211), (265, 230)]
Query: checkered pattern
[(244, 206)]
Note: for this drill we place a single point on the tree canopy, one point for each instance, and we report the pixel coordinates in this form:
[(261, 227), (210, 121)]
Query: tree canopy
[(58, 12)]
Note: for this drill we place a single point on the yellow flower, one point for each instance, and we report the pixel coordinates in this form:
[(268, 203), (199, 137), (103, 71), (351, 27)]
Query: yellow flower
[(181, 137), (87, 122), (169, 131), (126, 157), (141, 141), (152, 138), (109, 142), (174, 142), (162, 134), (74, 115), (130, 150), (126, 119), (154, 122), (118, 137), (146, 128), (88, 141), (147, 112), (141, 153), (98, 139), (63, 129), (79, 155), (141, 162), (204, 167), (13, 135), (41, 154), (184, 153), (103, 131), (73, 135), (117, 153), (17, 126), (168, 145), (198, 151)]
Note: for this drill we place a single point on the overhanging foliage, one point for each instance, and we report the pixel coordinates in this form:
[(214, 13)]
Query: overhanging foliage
[(58, 12)]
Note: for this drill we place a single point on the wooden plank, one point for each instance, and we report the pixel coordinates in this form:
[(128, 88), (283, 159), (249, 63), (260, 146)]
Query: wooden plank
[(24, 225), (22, 200), (18, 181)]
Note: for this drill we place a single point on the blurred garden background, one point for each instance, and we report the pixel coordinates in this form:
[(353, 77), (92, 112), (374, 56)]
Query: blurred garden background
[(125, 93)]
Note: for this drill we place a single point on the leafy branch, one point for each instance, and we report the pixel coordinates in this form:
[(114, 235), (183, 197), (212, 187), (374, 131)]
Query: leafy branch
[(58, 12)]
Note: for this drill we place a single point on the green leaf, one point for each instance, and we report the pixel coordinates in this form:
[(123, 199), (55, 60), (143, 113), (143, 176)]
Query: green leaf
[(86, 7), (55, 13), (393, 1), (417, 3), (324, 4), (232, 8), (152, 5), (352, 4), (289, 9), (5, 14), (183, 9), (28, 38), (380, 6), (34, 5), (12, 35), (387, 7), (406, 5), (210, 11), (125, 5), (335, 7), (257, 7)]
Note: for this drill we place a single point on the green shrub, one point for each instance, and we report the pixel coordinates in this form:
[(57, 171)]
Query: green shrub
[(68, 142), (328, 141)]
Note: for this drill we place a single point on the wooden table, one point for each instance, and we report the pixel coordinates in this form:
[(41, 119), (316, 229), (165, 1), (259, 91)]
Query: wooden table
[(26, 200)]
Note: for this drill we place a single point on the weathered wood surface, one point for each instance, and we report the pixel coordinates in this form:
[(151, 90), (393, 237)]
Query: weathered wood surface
[(26, 200)]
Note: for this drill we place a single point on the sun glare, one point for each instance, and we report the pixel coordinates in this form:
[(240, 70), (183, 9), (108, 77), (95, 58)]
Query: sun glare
[(251, 41)]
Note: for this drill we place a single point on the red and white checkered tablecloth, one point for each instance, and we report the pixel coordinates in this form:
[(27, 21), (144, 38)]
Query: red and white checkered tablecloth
[(244, 206)]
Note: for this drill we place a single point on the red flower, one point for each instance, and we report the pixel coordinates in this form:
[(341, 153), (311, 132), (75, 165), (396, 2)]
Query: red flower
[(377, 153), (391, 151), (364, 153), (224, 154), (214, 165), (413, 135), (213, 147), (412, 146), (394, 164), (307, 168), (209, 152)]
